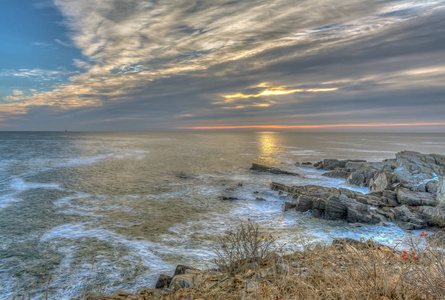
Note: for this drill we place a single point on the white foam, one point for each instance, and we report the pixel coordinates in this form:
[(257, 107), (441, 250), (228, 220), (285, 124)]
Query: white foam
[(7, 200), (74, 162), (20, 185)]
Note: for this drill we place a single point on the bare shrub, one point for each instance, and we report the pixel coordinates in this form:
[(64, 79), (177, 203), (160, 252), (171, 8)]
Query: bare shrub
[(242, 246), (425, 265)]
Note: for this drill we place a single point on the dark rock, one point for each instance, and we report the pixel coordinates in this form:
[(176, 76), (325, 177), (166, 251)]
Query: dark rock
[(262, 168), (332, 164), (288, 206), (407, 219), (390, 195), (275, 186), (341, 173), (431, 187), (228, 198), (260, 199), (163, 281), (182, 269), (337, 207), (405, 196)]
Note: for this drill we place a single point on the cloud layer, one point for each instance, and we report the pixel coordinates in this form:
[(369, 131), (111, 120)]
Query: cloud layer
[(175, 64)]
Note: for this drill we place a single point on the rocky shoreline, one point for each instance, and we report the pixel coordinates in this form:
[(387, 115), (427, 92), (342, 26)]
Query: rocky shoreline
[(408, 191)]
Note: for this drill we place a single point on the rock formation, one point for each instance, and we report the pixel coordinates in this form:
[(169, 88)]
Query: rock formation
[(408, 190)]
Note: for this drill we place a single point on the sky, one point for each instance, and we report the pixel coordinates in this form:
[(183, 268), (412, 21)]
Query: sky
[(278, 65)]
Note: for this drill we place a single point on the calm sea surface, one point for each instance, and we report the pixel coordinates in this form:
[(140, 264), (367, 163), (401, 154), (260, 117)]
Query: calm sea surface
[(109, 211)]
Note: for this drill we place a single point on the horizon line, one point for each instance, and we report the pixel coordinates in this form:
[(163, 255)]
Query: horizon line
[(308, 126)]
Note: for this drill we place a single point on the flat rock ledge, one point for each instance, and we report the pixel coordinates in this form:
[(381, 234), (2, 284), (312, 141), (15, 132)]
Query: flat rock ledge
[(408, 190), (262, 168)]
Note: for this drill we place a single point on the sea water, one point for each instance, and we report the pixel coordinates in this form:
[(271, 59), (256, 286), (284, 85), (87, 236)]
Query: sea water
[(89, 212)]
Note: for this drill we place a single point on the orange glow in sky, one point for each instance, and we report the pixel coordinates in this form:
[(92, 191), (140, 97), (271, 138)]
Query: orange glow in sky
[(276, 92), (308, 126)]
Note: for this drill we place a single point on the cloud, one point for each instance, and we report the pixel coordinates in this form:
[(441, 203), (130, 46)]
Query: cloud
[(179, 59), (17, 93)]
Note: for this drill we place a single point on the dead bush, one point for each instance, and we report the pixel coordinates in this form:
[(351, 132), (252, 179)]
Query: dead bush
[(242, 246)]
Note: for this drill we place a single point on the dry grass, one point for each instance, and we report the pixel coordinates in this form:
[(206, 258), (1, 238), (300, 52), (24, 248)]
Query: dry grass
[(349, 271), (346, 270)]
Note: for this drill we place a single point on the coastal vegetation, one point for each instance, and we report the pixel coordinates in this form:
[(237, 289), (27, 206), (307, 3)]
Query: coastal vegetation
[(252, 266)]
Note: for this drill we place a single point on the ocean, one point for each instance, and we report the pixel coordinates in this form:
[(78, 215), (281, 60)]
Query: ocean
[(107, 211)]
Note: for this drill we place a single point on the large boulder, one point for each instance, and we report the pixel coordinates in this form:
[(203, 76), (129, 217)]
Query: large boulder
[(337, 207), (407, 197), (183, 281)]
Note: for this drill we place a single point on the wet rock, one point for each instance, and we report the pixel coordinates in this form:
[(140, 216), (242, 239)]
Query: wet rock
[(337, 174), (275, 186), (262, 168), (407, 197), (163, 281), (228, 198), (260, 199), (288, 206)]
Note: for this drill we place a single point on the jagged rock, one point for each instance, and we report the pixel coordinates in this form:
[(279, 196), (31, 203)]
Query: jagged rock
[(163, 281), (381, 182), (407, 219), (405, 196), (260, 199), (352, 166), (434, 216), (183, 281), (262, 168)]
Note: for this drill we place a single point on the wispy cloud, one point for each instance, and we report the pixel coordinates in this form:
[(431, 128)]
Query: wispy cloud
[(138, 52)]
